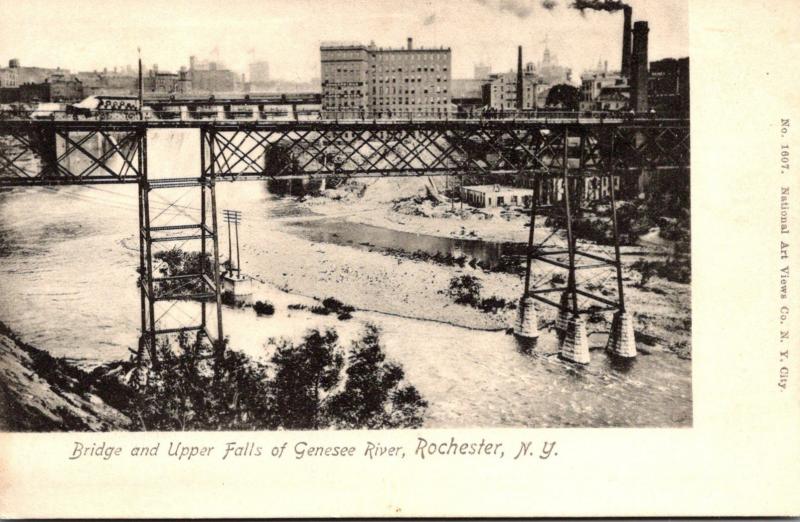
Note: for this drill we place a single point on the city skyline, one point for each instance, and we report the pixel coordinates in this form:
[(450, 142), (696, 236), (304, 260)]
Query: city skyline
[(285, 36)]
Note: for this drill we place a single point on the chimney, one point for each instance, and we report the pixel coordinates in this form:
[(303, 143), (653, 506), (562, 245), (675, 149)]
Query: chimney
[(410, 43), (519, 78), (626, 42), (639, 63)]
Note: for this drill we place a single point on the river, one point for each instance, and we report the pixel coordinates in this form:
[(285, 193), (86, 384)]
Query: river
[(68, 280)]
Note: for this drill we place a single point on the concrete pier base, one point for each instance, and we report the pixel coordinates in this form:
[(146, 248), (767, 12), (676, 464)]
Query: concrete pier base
[(575, 345), (563, 317), (241, 286), (621, 340), (527, 322)]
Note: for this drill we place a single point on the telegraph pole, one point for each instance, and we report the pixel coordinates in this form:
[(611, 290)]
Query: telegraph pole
[(230, 254), (238, 263), (233, 217)]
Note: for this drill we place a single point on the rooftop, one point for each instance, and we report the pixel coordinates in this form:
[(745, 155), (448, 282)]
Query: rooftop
[(495, 188)]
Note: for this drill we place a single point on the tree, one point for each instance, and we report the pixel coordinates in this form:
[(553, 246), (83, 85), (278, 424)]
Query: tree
[(306, 388), (304, 375), (189, 392), (564, 96), (372, 396), (176, 262)]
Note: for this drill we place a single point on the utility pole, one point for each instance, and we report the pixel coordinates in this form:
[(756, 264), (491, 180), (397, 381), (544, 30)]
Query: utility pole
[(230, 254), (238, 263), (141, 85), (233, 217)]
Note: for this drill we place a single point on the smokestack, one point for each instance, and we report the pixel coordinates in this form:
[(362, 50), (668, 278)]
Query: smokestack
[(141, 87), (519, 78), (639, 63), (626, 42), (410, 43)]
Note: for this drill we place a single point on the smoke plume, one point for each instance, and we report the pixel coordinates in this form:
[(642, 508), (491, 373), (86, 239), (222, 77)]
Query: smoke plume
[(429, 20), (524, 8), (519, 8), (599, 5)]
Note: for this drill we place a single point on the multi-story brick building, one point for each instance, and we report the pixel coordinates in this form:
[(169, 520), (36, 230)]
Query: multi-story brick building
[(24, 74), (57, 88), (9, 77), (212, 77), (167, 82), (108, 83), (500, 90), (259, 72), (359, 79), (668, 86), (344, 76), (604, 90)]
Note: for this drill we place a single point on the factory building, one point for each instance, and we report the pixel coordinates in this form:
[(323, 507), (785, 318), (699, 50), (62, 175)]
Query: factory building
[(359, 79), (483, 196)]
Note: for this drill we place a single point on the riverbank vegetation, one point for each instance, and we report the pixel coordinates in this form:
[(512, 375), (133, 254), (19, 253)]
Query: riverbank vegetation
[(263, 308), (330, 306), (312, 384), (466, 290)]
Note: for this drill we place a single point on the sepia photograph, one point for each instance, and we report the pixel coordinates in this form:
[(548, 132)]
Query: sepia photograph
[(370, 258), (345, 215)]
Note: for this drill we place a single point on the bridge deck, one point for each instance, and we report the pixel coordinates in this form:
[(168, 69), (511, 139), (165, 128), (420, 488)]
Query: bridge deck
[(235, 124)]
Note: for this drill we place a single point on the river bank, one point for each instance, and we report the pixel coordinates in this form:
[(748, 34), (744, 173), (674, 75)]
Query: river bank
[(41, 393), (397, 283), (486, 224)]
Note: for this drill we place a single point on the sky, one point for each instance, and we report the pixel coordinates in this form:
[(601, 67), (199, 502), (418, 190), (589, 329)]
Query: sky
[(91, 34)]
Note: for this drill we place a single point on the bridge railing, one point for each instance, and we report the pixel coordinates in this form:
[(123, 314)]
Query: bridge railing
[(323, 115)]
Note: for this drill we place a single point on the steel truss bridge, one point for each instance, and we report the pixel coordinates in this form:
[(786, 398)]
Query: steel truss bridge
[(546, 153)]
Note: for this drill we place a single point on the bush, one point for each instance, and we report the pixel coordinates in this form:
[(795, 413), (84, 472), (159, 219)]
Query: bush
[(465, 289), (176, 262), (264, 308), (335, 306), (647, 269), (677, 269), (493, 304)]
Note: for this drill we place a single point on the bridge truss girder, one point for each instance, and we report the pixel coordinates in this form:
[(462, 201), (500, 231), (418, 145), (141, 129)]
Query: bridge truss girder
[(57, 153)]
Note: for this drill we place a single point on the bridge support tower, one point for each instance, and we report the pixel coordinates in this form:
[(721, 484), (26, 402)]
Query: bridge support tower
[(164, 290), (577, 299)]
